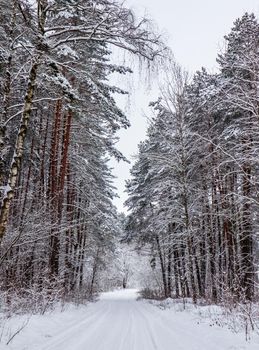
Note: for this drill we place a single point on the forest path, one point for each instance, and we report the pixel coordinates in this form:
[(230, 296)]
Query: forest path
[(120, 322)]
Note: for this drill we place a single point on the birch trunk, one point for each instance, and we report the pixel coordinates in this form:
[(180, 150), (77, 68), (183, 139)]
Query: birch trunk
[(18, 150)]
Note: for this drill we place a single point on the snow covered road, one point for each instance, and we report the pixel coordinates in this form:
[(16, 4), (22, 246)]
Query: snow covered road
[(119, 322)]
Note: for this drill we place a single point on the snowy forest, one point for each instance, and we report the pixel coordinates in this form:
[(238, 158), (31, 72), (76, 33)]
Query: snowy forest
[(194, 193), (192, 222), (58, 129)]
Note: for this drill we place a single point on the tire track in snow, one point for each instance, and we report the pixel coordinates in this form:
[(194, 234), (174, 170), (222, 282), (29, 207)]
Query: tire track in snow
[(128, 341), (150, 333), (65, 337)]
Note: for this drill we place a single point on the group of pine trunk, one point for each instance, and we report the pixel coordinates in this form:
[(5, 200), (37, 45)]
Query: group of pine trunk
[(46, 235), (217, 259)]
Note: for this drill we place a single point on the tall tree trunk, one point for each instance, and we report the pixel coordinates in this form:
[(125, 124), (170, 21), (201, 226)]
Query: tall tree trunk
[(246, 239), (54, 192), (6, 95), (171, 227), (162, 264), (176, 270), (18, 149)]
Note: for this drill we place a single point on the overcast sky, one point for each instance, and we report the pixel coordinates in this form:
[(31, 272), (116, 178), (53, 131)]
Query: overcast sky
[(195, 31)]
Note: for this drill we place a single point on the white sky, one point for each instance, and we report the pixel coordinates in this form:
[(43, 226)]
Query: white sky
[(195, 31)]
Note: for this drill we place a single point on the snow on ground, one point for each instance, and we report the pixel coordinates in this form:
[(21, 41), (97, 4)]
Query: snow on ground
[(120, 322)]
